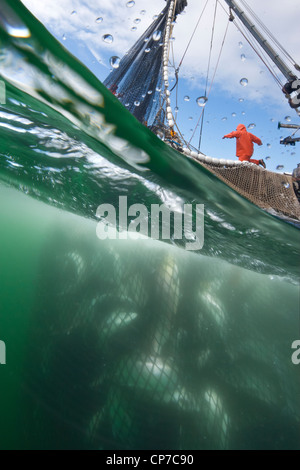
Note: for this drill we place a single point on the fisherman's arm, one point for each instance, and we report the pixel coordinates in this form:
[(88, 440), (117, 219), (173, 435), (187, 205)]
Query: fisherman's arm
[(256, 140), (231, 135)]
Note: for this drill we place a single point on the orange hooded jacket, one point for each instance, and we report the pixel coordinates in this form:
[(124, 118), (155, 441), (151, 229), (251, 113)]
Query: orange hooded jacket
[(244, 142)]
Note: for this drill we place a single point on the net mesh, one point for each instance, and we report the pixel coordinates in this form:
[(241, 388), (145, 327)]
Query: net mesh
[(138, 347), (137, 82), (268, 190)]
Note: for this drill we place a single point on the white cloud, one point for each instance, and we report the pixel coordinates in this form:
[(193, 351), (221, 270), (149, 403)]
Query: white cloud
[(118, 20), (84, 39)]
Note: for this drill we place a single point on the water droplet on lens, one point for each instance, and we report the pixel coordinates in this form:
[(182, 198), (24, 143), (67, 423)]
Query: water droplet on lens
[(286, 185), (150, 92), (243, 57), (268, 158), (157, 36), (269, 146), (64, 37), (74, 12), (115, 62), (186, 98), (202, 101), (244, 82), (233, 115), (137, 103), (241, 100), (251, 126), (147, 50), (240, 45), (288, 118), (224, 119), (160, 135), (99, 20), (143, 12), (130, 4), (280, 167), (108, 38), (137, 20), (134, 28)]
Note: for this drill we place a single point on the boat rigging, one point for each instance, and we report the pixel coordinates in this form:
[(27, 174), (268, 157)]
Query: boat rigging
[(141, 83), (291, 89)]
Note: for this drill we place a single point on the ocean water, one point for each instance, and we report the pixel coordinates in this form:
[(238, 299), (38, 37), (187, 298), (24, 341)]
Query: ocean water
[(130, 344)]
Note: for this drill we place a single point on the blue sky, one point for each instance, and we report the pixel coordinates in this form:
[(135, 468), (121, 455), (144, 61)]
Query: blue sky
[(80, 26)]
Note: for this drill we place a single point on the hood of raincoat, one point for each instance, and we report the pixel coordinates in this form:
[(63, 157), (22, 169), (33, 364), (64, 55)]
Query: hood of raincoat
[(241, 127)]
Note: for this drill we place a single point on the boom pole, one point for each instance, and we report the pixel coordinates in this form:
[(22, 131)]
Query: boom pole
[(293, 85)]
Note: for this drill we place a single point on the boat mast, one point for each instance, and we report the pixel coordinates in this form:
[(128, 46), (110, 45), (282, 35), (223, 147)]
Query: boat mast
[(293, 84)]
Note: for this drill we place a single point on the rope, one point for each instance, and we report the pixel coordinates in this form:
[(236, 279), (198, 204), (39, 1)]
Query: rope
[(264, 60), (208, 70), (260, 55), (213, 79), (193, 34), (268, 32)]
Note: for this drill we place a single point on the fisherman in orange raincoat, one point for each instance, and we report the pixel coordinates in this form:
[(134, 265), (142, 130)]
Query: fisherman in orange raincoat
[(244, 144)]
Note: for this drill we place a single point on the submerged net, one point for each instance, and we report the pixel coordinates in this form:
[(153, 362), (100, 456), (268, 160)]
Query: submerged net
[(137, 347)]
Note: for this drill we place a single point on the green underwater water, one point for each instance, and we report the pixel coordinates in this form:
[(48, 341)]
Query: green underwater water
[(130, 344)]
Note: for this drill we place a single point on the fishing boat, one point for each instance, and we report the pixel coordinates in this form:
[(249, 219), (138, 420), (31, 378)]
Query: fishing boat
[(128, 345), (142, 83)]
